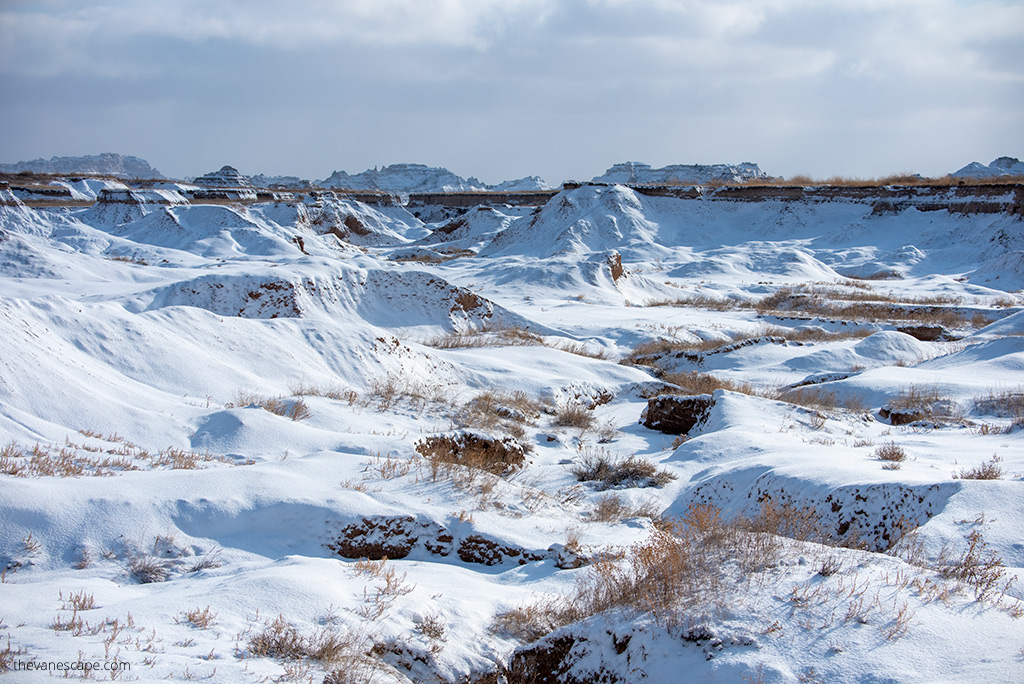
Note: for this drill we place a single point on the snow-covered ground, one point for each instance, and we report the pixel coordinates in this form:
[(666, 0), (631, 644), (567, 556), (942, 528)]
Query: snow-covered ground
[(214, 414)]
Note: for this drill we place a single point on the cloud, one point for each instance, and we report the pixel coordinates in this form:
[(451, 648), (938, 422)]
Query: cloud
[(489, 81)]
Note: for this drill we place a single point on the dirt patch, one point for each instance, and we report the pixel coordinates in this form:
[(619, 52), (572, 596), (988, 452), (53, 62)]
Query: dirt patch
[(926, 333), (615, 264), (676, 415), (356, 226), (394, 537), (477, 549), (377, 538)]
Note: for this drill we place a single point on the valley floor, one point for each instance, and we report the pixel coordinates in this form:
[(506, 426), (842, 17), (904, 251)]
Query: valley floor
[(324, 441)]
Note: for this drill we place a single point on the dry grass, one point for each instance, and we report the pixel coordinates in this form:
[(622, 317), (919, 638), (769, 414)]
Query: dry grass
[(492, 409), (296, 410), (647, 353), (921, 403), (118, 455), (831, 303), (611, 508), (608, 472), (816, 398), (149, 569), (202, 618), (392, 389), (575, 416), (281, 640), (906, 178), (989, 470), (677, 575), (977, 566), (697, 301), (509, 336), (335, 392), (1006, 404), (490, 336), (704, 383)]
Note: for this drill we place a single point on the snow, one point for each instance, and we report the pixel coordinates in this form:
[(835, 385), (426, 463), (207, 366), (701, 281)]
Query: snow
[(680, 174), (1003, 166), (147, 329)]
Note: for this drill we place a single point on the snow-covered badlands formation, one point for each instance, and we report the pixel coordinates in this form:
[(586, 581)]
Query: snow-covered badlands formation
[(764, 434)]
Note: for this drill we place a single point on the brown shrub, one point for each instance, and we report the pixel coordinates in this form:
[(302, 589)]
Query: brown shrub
[(608, 472), (574, 415), (498, 456), (891, 452), (296, 410), (989, 470)]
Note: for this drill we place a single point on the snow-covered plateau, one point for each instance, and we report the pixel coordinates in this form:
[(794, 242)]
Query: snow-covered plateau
[(632, 435)]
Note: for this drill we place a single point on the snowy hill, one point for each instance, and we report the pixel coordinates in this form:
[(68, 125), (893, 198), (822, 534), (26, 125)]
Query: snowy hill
[(106, 164), (637, 173), (1003, 166), (745, 434)]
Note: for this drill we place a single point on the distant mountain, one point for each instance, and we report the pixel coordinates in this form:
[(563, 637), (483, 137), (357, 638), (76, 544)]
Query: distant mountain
[(415, 178), (106, 164), (639, 173), (1004, 166), (226, 177), (264, 181)]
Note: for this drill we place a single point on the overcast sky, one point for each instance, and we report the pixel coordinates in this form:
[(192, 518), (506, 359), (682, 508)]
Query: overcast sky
[(506, 88)]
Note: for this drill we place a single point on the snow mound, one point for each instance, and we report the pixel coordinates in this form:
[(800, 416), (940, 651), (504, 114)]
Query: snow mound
[(1004, 272), (385, 298), (472, 230)]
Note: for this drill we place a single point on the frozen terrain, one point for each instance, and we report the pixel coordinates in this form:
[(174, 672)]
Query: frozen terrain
[(631, 435), (680, 174)]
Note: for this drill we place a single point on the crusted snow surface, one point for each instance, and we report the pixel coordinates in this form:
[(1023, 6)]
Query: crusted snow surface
[(218, 420)]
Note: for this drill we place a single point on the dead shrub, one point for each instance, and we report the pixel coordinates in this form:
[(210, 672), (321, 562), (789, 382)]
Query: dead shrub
[(613, 508), (1006, 404), (977, 566), (607, 472), (296, 410), (575, 416), (891, 452), (281, 640), (920, 403), (677, 575), (819, 399), (694, 382), (392, 389), (989, 470), (148, 569), (500, 456), (490, 336), (493, 409), (201, 618)]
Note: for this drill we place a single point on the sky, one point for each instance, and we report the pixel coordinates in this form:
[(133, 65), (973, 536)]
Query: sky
[(501, 89)]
